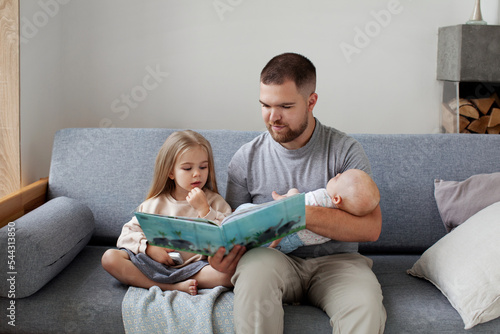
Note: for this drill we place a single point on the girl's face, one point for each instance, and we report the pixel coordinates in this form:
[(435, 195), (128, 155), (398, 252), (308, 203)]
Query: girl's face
[(190, 171)]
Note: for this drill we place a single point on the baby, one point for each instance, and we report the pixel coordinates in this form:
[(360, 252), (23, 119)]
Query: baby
[(353, 191)]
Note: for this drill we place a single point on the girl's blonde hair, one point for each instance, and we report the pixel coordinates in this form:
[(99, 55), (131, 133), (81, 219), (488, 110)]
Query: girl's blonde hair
[(176, 144)]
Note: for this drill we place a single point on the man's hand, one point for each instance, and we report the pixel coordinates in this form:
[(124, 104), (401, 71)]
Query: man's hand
[(227, 263), (160, 254)]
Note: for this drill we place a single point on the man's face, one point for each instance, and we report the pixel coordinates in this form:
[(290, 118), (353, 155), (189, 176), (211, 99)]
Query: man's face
[(285, 111)]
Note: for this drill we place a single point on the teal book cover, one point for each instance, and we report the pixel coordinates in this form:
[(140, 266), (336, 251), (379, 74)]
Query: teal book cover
[(250, 226)]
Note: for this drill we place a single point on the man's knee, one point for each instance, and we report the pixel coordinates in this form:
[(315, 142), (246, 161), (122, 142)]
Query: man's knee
[(264, 272), (260, 256), (257, 264), (362, 315)]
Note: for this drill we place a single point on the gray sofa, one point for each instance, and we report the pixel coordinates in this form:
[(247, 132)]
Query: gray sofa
[(99, 176)]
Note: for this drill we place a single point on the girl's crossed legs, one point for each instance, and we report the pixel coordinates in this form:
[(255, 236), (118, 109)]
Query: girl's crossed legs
[(118, 264)]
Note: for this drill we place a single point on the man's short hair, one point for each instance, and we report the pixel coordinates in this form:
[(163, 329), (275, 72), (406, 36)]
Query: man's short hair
[(290, 66)]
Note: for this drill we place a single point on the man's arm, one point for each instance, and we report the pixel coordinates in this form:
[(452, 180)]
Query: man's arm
[(342, 226)]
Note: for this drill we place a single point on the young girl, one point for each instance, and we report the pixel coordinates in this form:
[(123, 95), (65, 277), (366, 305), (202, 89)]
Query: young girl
[(183, 185)]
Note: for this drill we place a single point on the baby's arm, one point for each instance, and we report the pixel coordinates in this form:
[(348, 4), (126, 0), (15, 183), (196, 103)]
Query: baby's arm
[(289, 243)]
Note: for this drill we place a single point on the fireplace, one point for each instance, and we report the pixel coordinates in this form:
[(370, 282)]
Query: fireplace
[(469, 66)]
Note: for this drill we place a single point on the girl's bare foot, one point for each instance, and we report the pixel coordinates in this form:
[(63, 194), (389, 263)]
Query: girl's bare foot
[(189, 286)]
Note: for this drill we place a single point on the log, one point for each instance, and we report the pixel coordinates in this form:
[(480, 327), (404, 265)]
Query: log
[(454, 104), (465, 108), (474, 115), (483, 105), (479, 125), (468, 110), (496, 98), (463, 122), (494, 130), (494, 118)]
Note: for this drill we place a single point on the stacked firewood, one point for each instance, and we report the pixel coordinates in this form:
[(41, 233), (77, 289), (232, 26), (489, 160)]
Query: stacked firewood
[(474, 115)]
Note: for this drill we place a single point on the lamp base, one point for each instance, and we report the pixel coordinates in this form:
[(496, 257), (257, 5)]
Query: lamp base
[(478, 22)]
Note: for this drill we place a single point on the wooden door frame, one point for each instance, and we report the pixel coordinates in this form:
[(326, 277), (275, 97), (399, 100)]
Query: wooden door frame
[(10, 156)]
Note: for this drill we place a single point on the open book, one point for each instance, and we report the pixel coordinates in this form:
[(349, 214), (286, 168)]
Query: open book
[(251, 227)]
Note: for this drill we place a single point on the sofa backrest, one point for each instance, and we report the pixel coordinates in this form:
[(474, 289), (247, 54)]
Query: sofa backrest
[(110, 171), (405, 166)]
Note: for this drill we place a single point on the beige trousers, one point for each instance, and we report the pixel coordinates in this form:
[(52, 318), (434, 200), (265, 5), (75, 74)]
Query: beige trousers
[(343, 285)]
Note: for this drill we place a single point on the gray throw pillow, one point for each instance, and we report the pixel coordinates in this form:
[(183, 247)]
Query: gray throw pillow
[(457, 201), (37, 246)]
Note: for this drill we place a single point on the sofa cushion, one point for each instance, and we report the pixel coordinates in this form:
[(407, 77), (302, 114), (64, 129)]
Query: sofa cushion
[(83, 298), (464, 266), (457, 201), (42, 243)]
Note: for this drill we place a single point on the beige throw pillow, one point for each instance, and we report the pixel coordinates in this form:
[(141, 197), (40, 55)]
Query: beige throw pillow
[(464, 265)]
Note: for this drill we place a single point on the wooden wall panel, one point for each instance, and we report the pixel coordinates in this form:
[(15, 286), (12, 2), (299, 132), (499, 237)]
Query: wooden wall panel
[(10, 169)]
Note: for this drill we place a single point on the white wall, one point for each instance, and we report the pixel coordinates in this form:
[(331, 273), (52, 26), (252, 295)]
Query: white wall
[(196, 64), (41, 104)]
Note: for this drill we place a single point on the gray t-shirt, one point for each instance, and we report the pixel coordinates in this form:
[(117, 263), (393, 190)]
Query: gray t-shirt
[(263, 165)]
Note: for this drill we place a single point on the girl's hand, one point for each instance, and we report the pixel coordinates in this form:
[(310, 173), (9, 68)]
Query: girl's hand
[(198, 200), (160, 254)]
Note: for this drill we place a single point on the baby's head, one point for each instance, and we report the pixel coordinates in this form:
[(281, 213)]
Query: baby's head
[(354, 191)]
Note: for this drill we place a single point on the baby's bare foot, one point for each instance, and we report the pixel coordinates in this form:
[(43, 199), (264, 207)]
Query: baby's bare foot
[(189, 286)]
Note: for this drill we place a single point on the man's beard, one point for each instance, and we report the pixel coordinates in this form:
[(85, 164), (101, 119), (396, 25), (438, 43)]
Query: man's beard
[(289, 135)]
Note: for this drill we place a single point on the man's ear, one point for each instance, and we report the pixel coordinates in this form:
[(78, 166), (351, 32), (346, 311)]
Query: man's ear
[(311, 102), (337, 199)]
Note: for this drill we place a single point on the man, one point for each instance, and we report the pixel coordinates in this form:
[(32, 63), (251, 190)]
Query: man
[(298, 151)]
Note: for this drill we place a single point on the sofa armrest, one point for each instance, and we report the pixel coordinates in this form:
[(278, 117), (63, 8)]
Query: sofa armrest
[(19, 203), (41, 244)]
